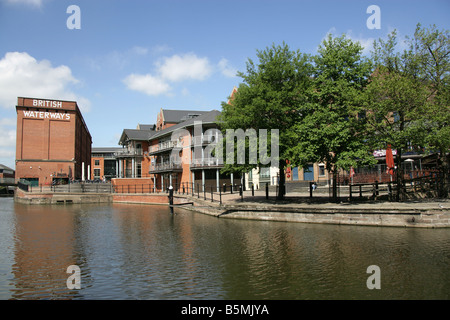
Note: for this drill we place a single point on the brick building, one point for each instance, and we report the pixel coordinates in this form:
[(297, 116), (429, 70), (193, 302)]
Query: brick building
[(53, 143), (178, 154), (104, 163), (6, 172), (132, 158)]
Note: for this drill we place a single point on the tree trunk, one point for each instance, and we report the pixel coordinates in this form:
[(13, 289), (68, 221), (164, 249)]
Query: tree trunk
[(282, 182), (335, 197), (398, 160)]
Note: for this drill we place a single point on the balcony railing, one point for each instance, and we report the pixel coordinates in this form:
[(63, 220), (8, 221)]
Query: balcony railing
[(206, 163), (202, 140), (163, 146), (129, 153), (165, 167)]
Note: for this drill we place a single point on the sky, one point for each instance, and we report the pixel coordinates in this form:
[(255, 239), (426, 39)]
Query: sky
[(129, 59)]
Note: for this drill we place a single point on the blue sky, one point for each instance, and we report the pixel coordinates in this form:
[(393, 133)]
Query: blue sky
[(131, 58)]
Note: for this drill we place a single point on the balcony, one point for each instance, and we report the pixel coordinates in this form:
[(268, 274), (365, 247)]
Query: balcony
[(206, 164), (129, 153), (166, 167), (163, 147), (203, 140)]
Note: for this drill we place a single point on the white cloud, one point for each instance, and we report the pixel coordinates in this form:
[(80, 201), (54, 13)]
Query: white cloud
[(188, 66), (160, 49), (177, 68), (147, 84), (119, 59), (7, 141), (185, 92), (8, 135), (7, 154), (7, 122), (21, 75), (139, 50), (226, 69), (170, 69), (34, 3)]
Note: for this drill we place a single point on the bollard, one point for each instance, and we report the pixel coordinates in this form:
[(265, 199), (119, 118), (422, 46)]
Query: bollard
[(253, 190), (267, 190), (311, 189), (171, 198)]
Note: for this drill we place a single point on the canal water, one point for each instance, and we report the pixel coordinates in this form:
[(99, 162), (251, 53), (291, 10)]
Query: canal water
[(126, 251)]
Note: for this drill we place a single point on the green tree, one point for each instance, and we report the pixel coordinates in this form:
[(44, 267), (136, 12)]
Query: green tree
[(432, 48), (329, 129), (269, 98), (396, 100)]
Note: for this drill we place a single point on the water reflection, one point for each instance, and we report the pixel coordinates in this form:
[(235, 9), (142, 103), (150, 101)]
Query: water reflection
[(144, 252)]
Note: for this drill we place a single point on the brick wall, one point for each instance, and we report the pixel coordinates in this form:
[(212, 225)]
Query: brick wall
[(52, 140)]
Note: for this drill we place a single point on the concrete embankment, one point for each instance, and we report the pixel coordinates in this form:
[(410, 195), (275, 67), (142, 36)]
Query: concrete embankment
[(424, 214), (60, 198)]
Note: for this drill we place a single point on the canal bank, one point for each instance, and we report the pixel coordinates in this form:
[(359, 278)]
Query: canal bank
[(422, 213), (25, 197), (419, 213)]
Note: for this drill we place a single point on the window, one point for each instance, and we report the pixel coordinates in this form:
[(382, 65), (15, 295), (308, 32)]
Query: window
[(138, 168), (96, 173), (321, 170), (295, 173), (264, 173), (97, 162)]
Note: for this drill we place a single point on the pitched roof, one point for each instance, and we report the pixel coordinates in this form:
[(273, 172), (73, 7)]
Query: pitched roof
[(145, 126), (176, 116), (135, 134), (3, 167), (208, 117)]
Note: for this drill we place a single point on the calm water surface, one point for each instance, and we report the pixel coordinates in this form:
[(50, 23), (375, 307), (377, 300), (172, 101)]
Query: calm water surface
[(144, 252)]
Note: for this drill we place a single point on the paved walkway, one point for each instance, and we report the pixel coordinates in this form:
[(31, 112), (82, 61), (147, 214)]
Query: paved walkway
[(299, 200)]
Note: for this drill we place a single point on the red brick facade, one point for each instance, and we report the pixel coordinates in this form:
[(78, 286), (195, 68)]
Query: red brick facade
[(53, 141)]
